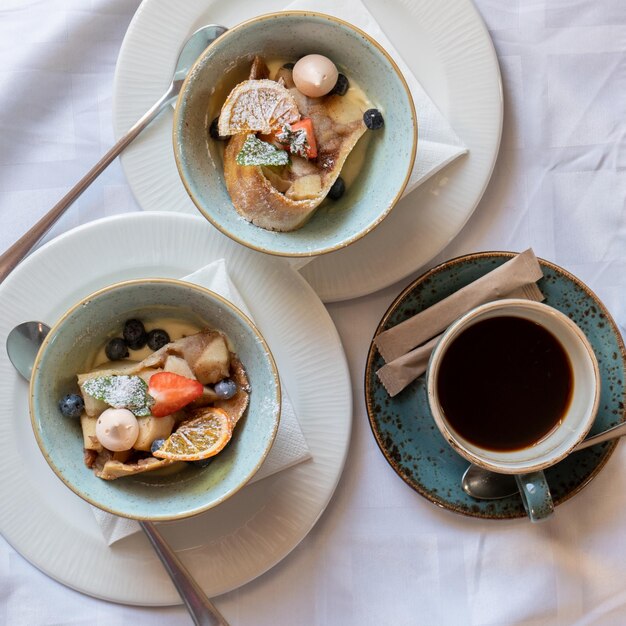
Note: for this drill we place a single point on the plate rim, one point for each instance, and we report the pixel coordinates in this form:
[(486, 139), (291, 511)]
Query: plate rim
[(328, 492), (367, 386), (331, 292)]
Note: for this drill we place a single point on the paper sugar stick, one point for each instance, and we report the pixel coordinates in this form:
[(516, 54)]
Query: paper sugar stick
[(521, 270), (400, 372)]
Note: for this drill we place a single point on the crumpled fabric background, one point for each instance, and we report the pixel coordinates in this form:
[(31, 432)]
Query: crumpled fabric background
[(381, 554)]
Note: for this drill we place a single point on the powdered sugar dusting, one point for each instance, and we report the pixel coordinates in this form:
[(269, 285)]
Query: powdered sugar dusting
[(258, 106)]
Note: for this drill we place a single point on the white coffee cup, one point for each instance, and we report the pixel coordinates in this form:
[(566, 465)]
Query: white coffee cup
[(529, 462)]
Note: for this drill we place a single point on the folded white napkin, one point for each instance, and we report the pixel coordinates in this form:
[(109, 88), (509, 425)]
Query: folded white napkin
[(438, 143), (289, 446)]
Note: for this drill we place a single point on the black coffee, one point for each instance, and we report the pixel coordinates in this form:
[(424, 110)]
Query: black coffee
[(504, 383)]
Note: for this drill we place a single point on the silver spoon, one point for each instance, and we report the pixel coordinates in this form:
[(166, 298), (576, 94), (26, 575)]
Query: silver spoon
[(193, 48), (22, 345), (485, 485)]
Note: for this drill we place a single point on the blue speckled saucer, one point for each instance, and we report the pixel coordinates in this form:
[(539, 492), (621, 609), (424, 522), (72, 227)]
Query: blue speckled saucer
[(404, 427)]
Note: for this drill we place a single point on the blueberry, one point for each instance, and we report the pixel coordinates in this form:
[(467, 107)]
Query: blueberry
[(135, 334), (373, 119), (156, 444), (202, 462), (157, 338), (225, 389), (341, 86), (289, 66), (133, 329), (337, 190), (116, 349), (214, 132), (71, 405), (139, 344)]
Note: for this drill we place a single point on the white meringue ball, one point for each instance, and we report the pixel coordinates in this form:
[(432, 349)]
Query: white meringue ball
[(117, 429), (315, 75)]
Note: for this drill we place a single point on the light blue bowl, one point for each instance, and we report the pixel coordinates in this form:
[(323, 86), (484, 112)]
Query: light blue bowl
[(290, 35), (84, 329)]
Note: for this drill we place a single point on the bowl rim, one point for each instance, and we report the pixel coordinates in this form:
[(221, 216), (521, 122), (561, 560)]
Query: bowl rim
[(233, 32), (178, 283)]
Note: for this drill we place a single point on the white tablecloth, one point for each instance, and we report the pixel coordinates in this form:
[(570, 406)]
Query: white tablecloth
[(381, 554)]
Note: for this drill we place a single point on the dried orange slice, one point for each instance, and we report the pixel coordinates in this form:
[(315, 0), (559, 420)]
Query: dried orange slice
[(200, 437), (257, 106)]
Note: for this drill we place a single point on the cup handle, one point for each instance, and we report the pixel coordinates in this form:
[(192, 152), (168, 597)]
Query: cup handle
[(535, 495)]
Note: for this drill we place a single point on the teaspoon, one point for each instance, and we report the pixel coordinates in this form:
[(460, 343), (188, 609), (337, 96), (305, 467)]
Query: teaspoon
[(22, 345), (485, 485), (193, 48)]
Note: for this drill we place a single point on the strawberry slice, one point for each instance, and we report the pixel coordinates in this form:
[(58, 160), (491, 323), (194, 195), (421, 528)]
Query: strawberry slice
[(172, 392), (306, 124), (288, 134)]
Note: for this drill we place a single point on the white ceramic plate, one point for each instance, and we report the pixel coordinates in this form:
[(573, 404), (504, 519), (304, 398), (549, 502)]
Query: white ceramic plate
[(249, 533), (449, 50)]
